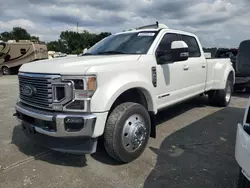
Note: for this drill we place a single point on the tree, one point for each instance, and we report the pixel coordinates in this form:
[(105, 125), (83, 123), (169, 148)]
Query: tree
[(20, 34), (5, 36), (17, 34), (73, 42)]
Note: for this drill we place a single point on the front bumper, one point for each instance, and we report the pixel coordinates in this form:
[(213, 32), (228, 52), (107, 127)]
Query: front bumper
[(242, 150), (51, 130)]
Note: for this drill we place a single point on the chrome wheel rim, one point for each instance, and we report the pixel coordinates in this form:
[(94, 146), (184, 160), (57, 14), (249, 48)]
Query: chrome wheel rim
[(134, 133), (228, 92)]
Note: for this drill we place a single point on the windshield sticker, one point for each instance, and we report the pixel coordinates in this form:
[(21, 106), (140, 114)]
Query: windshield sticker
[(146, 34)]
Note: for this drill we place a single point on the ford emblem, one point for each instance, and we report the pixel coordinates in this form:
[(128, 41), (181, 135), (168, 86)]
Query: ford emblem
[(27, 90)]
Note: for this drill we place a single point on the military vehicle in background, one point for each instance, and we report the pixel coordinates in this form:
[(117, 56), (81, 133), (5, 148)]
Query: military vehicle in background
[(14, 54)]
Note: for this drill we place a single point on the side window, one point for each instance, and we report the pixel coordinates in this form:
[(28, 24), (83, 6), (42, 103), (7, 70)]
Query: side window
[(193, 47), (165, 46), (23, 51)]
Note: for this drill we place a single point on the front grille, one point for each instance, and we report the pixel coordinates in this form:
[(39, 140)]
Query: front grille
[(36, 90)]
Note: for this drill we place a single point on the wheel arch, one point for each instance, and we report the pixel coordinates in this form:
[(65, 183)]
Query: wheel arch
[(228, 74), (144, 98)]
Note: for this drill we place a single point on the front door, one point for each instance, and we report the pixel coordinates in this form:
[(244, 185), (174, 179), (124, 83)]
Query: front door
[(172, 77)]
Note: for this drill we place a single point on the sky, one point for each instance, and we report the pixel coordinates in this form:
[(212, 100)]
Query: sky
[(219, 23)]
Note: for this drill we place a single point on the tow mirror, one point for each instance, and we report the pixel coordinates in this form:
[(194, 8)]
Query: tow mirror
[(179, 51)]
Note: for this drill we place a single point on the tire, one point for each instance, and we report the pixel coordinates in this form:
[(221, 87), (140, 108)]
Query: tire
[(124, 122), (221, 97), (243, 182), (6, 70)]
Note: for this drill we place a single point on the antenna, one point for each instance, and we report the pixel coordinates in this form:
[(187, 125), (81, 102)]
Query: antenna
[(157, 23)]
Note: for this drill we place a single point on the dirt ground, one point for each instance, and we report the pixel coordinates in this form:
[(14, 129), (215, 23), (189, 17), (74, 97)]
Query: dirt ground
[(194, 148)]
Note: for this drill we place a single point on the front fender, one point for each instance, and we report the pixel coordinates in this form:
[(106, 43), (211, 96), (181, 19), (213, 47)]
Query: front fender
[(110, 90)]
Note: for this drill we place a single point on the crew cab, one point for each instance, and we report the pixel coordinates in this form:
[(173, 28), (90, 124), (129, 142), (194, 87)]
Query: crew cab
[(112, 93)]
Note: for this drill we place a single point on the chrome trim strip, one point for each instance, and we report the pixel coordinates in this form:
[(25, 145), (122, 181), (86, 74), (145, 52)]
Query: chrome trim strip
[(89, 123), (39, 75)]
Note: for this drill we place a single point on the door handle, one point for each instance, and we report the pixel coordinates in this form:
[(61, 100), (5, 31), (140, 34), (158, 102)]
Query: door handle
[(186, 67), (203, 66)]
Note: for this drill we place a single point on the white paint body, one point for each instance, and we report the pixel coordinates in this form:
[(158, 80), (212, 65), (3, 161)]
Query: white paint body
[(242, 149), (119, 73)]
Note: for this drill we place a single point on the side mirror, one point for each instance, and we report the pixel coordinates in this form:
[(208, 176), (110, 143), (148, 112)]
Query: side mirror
[(85, 50), (179, 51)]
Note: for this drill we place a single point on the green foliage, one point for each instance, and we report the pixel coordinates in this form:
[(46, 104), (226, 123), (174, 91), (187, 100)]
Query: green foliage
[(70, 42), (211, 50), (74, 43), (17, 34)]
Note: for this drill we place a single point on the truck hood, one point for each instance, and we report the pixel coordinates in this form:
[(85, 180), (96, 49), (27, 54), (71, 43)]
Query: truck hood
[(74, 65)]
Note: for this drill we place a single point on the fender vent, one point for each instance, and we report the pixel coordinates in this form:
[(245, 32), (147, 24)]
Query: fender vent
[(154, 76)]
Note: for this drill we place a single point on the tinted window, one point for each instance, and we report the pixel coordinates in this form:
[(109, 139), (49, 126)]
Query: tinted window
[(128, 43), (165, 46), (193, 48)]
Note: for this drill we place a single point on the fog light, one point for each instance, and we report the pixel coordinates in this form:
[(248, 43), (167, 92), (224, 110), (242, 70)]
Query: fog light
[(73, 124)]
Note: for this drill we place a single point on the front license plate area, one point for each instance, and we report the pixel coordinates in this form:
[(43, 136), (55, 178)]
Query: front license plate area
[(29, 128)]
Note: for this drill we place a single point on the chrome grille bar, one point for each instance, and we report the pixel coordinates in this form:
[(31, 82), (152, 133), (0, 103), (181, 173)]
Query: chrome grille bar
[(40, 88)]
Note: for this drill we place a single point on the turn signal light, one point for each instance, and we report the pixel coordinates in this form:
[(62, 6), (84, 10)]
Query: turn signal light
[(92, 83)]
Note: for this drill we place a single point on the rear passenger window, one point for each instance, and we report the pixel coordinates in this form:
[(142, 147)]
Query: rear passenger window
[(193, 47)]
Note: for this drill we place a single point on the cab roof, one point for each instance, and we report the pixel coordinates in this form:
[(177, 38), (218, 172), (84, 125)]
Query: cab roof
[(154, 28)]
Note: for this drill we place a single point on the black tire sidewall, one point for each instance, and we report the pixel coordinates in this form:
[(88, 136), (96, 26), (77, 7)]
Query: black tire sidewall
[(121, 151)]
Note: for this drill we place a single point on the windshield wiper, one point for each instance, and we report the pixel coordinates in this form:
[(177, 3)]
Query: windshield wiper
[(111, 52), (86, 54)]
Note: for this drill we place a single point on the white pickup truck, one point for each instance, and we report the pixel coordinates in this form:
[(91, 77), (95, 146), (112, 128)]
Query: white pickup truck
[(116, 88)]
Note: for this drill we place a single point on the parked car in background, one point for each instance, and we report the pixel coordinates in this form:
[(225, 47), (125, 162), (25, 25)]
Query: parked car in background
[(115, 89), (242, 67), (14, 54), (239, 58), (242, 151)]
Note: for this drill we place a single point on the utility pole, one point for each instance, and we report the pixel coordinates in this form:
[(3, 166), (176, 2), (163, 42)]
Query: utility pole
[(77, 26)]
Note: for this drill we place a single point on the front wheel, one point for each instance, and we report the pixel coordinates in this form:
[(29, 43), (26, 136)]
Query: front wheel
[(222, 97), (127, 132)]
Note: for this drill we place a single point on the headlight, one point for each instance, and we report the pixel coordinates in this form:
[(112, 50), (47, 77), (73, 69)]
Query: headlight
[(84, 88), (89, 88)]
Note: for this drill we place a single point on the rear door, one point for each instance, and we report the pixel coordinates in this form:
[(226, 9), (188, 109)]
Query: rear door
[(196, 66)]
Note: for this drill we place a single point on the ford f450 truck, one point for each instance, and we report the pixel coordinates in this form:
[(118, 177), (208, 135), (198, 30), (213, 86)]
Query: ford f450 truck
[(116, 88)]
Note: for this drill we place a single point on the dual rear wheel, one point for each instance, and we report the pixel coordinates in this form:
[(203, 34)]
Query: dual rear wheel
[(222, 97)]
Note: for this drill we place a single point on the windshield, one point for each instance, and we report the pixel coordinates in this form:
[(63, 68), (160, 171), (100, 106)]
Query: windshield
[(127, 43)]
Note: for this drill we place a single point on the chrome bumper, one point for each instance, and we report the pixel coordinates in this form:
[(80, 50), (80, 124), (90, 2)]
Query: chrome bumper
[(58, 119)]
